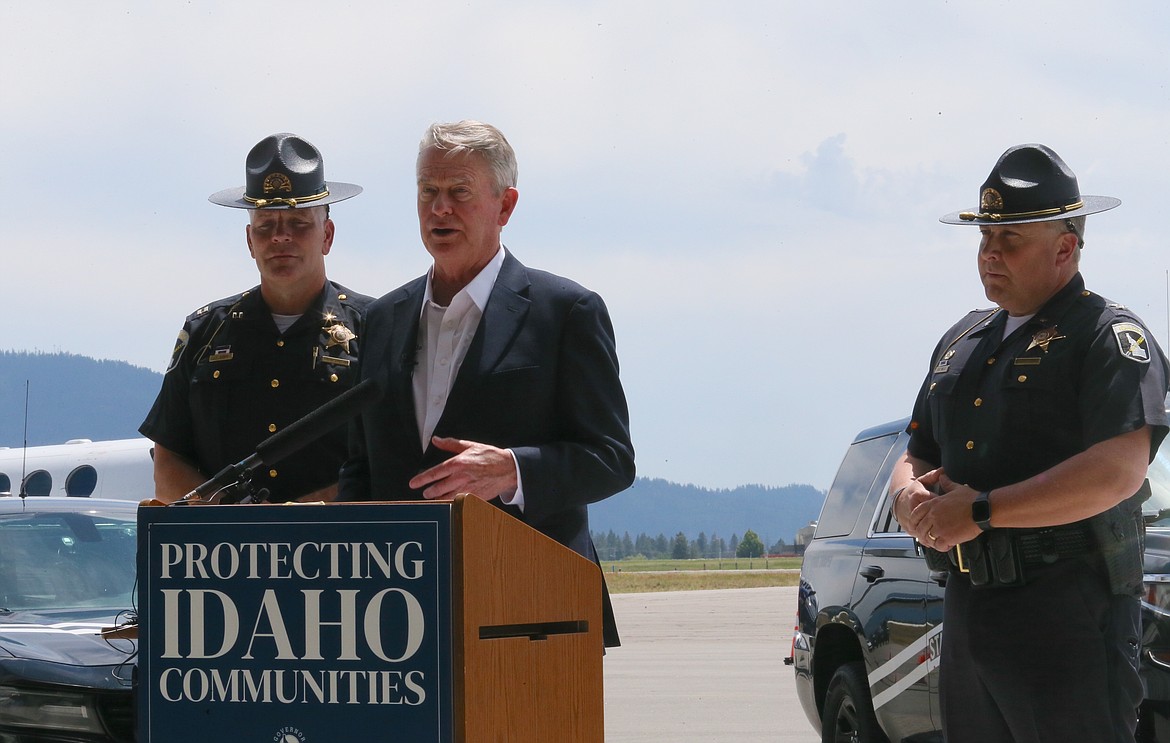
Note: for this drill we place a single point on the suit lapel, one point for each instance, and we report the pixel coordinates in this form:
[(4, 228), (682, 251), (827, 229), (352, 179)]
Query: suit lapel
[(402, 351), (502, 320)]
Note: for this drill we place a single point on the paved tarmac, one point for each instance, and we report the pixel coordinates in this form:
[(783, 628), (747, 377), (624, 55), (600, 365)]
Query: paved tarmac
[(704, 666)]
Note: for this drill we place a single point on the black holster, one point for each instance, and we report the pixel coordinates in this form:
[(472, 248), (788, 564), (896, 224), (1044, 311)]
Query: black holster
[(1120, 534), (991, 559), (936, 560)]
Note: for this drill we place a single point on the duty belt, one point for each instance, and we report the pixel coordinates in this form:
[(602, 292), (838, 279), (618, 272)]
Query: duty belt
[(1001, 556), (1046, 546)]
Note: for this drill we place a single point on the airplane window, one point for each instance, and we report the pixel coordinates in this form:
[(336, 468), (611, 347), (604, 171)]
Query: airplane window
[(38, 483), (5, 483), (81, 482)]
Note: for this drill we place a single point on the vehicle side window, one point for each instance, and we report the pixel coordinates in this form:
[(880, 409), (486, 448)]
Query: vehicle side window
[(886, 523), (862, 465)]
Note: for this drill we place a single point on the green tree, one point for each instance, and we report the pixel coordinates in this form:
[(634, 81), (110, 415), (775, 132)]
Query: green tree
[(750, 545), (627, 545), (681, 548)]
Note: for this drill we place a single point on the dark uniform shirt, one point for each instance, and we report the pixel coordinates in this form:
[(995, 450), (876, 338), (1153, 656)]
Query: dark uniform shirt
[(1082, 370), (995, 411), (235, 379)]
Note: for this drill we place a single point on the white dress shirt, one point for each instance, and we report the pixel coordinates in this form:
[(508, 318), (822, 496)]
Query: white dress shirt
[(445, 334)]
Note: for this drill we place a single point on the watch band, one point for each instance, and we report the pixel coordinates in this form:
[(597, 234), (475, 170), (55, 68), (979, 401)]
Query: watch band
[(981, 510)]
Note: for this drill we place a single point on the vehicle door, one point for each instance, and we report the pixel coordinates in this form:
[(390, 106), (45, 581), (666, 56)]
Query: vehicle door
[(900, 606)]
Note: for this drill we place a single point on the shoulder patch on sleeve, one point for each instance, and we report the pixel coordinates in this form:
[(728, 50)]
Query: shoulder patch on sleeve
[(180, 345), (1131, 340)]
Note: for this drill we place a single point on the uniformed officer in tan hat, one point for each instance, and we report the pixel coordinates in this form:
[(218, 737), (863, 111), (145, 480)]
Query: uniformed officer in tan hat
[(1029, 443), (247, 366)]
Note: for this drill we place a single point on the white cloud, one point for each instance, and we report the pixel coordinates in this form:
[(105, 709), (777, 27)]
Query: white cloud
[(753, 188)]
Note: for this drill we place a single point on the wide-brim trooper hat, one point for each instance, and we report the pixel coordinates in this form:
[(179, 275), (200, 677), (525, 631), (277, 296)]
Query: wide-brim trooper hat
[(284, 171), (1030, 183)]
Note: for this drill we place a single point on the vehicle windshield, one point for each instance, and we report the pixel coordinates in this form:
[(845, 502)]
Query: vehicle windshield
[(67, 560)]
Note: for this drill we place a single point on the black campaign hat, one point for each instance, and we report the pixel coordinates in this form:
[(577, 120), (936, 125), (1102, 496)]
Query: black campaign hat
[(1030, 183), (284, 171)]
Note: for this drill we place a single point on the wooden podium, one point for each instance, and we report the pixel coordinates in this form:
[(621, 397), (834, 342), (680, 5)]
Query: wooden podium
[(531, 646), (417, 621)]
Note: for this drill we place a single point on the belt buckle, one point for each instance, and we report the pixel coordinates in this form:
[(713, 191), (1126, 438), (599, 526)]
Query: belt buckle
[(959, 554)]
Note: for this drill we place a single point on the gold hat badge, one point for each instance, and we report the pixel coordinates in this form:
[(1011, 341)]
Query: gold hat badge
[(274, 182)]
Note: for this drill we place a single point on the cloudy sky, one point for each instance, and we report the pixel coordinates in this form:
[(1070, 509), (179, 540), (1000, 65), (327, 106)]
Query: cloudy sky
[(753, 187)]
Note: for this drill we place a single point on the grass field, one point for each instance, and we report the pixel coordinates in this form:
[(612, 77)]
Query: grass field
[(644, 576)]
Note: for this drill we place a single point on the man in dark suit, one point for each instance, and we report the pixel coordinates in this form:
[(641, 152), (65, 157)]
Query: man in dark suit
[(501, 381)]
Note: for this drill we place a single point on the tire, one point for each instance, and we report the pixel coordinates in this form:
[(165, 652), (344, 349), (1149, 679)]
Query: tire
[(849, 716)]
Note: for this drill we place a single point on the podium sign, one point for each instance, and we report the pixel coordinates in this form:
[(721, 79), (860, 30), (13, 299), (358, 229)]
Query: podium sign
[(306, 623)]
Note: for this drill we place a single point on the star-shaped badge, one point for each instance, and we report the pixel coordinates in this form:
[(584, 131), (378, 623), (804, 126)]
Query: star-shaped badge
[(338, 335), (1042, 338)]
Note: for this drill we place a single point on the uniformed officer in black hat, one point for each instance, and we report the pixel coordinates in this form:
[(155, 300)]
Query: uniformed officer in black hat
[(247, 366), (1024, 474)]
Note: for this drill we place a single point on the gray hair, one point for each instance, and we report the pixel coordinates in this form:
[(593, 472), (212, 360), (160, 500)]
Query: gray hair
[(474, 136), (1074, 226)]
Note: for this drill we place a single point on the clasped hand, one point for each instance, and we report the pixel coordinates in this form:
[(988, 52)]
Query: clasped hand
[(936, 511)]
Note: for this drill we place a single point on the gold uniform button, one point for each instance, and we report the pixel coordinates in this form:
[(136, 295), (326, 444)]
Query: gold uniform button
[(280, 343), (978, 401), (332, 377), (991, 361), (970, 445), (1022, 378), (271, 428), (215, 374), (272, 473), (275, 383), (342, 296)]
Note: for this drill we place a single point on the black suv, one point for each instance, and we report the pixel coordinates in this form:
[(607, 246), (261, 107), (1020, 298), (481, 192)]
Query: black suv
[(869, 613)]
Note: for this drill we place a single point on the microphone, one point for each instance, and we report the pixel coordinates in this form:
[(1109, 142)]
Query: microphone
[(319, 422), (303, 432)]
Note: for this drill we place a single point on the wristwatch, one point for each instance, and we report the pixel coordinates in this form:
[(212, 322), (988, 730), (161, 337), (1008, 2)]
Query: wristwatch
[(981, 510)]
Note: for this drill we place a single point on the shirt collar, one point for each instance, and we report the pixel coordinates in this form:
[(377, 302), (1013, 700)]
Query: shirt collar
[(479, 289)]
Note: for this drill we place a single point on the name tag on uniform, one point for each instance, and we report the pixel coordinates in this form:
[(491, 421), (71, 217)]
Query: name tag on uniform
[(334, 360), (221, 354), (1027, 361), (944, 364)]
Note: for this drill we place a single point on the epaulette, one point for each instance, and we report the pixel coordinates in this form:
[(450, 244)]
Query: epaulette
[(217, 304), (347, 297)]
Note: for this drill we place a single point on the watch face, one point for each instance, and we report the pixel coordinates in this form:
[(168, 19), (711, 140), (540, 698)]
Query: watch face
[(980, 510)]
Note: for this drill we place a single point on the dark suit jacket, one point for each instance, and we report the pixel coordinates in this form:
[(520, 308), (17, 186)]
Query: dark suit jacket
[(540, 378)]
